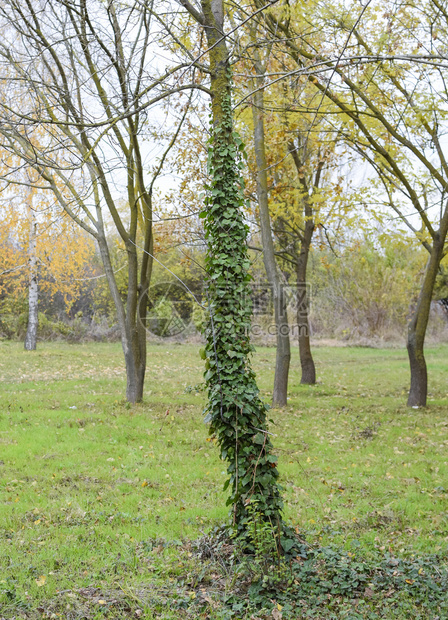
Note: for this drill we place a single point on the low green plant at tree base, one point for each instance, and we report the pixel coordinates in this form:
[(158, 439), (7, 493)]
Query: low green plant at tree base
[(329, 583)]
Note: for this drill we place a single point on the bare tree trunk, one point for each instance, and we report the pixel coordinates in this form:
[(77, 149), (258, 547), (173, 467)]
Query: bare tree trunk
[(303, 325), (417, 327), (283, 356), (132, 321), (33, 287), (137, 348), (135, 371), (145, 279)]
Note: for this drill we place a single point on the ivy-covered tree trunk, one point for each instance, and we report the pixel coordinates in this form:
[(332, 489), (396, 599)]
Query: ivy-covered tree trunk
[(235, 411)]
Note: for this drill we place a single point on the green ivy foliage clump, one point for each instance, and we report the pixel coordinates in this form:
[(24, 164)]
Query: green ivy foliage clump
[(235, 410)]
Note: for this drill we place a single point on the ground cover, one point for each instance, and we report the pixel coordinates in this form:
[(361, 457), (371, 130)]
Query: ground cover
[(106, 511)]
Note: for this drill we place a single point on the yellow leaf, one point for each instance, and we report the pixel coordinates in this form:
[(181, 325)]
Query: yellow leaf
[(144, 483), (279, 607), (101, 602), (41, 581)]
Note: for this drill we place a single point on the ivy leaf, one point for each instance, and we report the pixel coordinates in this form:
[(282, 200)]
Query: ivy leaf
[(287, 543)]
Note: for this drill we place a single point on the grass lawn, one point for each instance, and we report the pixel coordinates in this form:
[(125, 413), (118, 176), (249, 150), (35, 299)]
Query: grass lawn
[(101, 504)]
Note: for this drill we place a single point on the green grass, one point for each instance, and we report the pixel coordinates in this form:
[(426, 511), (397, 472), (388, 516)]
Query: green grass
[(98, 499)]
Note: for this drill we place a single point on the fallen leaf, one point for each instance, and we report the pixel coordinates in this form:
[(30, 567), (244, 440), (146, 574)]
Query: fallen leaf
[(41, 581)]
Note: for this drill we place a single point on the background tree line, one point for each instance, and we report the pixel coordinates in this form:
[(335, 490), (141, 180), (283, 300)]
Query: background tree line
[(76, 305)]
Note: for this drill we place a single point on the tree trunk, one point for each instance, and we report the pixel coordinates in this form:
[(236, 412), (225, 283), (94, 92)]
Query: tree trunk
[(132, 318), (417, 327), (303, 302), (145, 280), (135, 357), (136, 325), (33, 288), (283, 353), (137, 348), (134, 348), (303, 325), (135, 374)]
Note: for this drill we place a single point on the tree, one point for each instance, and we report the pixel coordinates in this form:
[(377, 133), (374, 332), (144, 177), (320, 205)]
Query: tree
[(83, 72), (283, 351), (297, 165), (236, 413)]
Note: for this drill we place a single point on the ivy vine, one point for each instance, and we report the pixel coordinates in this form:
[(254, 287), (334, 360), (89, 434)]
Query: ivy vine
[(235, 410)]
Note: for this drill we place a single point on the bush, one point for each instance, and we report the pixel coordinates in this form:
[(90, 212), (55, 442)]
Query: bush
[(367, 292), (78, 329)]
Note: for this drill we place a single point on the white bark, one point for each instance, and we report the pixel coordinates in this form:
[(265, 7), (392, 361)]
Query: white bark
[(33, 287)]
